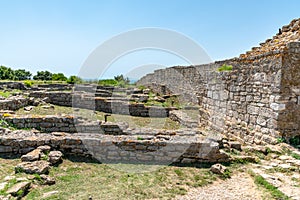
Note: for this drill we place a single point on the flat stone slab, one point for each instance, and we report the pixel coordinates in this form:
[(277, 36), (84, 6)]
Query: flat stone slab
[(32, 156)]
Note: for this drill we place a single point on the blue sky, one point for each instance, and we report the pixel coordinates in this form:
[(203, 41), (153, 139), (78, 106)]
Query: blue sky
[(59, 35)]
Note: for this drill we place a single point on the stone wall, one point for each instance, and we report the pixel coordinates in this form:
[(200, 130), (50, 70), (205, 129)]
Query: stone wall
[(186, 81), (67, 124), (89, 101), (14, 103), (256, 102), (162, 147)]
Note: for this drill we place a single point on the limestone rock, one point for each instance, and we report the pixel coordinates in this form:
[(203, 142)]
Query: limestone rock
[(47, 107), (31, 156), (55, 157), (48, 194), (44, 148), (47, 180), (284, 157), (218, 169), (36, 167), (8, 178), (15, 190), (28, 108)]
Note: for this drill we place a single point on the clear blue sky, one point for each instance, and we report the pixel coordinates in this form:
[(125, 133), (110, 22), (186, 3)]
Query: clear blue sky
[(58, 35)]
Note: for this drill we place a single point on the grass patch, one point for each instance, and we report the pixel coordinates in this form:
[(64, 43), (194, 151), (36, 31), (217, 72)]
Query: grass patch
[(275, 193), (78, 180), (225, 68), (9, 93), (296, 156)]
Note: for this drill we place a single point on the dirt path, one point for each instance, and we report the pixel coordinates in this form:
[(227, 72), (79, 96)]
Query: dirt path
[(240, 187)]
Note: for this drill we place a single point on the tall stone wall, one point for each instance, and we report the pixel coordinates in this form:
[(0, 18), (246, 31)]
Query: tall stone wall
[(257, 102)]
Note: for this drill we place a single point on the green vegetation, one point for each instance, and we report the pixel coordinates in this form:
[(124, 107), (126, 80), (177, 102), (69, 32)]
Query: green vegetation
[(296, 156), (74, 79), (119, 80), (28, 83), (9, 93), (43, 75), (21, 74), (108, 82), (225, 68), (10, 184), (59, 77), (5, 93), (7, 73), (260, 181), (295, 141), (79, 180)]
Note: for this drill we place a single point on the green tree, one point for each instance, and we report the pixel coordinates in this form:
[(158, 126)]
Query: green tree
[(43, 75), (22, 74), (59, 77), (6, 73), (74, 79)]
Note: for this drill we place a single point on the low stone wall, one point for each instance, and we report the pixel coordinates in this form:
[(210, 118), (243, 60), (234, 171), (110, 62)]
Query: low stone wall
[(160, 149), (12, 85), (14, 103), (89, 101), (56, 98), (53, 87), (67, 124)]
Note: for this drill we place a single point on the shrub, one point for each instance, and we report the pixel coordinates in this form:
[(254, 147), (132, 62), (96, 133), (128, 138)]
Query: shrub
[(74, 79), (108, 82), (28, 83)]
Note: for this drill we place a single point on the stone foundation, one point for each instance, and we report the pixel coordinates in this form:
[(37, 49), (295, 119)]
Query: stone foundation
[(162, 147)]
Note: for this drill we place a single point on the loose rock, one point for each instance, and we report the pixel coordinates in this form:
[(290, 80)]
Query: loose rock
[(218, 169), (19, 187), (36, 167), (55, 157)]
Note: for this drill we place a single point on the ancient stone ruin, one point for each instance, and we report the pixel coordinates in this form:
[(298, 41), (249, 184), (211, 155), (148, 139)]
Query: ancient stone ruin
[(255, 102), (194, 114)]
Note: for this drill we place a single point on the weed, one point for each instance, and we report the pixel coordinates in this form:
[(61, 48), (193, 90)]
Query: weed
[(38, 177), (281, 140), (20, 193), (225, 68), (28, 83), (178, 172), (296, 156), (140, 138)]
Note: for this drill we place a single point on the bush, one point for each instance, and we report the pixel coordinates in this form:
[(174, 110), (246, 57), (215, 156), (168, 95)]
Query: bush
[(28, 83), (108, 82), (74, 79), (59, 77)]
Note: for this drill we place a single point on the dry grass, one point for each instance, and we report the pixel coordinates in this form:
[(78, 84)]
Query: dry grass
[(79, 180)]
